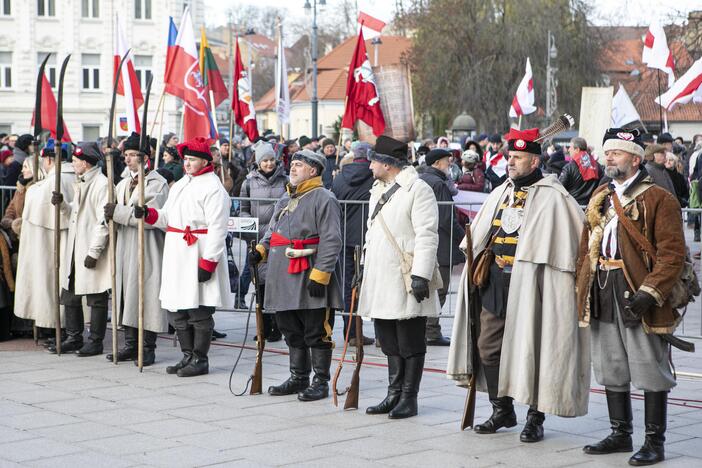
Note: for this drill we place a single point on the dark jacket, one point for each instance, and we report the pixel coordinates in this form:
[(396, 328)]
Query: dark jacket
[(682, 191), (473, 181), (328, 174), (176, 168), (573, 182), (353, 183), (448, 252)]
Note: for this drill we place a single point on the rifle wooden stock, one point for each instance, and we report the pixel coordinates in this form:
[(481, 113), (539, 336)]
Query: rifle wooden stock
[(335, 380), (473, 316), (352, 392), (257, 376)]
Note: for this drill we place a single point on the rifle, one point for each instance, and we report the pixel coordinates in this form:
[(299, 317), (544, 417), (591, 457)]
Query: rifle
[(112, 254), (352, 392), (143, 145), (473, 318), (57, 208), (257, 376)]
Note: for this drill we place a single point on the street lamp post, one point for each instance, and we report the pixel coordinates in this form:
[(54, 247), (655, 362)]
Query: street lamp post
[(314, 101)]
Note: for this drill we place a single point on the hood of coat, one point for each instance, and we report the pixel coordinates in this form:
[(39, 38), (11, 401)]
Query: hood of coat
[(405, 179), (356, 173)]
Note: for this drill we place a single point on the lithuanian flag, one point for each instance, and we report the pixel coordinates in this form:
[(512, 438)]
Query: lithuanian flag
[(210, 73)]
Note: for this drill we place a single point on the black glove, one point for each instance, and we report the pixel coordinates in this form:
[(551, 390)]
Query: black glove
[(56, 198), (640, 303), (139, 211), (109, 210), (357, 279), (420, 288), (89, 262), (203, 275), (255, 257), (316, 289)]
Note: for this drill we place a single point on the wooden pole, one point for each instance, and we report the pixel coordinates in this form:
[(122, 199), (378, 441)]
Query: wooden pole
[(112, 254), (338, 146), (57, 248), (140, 244), (160, 108)]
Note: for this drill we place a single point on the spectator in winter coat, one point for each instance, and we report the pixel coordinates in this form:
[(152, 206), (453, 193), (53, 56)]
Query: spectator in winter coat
[(473, 178), (682, 190), (329, 151), (495, 162), (172, 161), (581, 176), (23, 148)]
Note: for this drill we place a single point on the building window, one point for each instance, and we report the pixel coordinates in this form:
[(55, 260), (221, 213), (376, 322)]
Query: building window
[(5, 69), (5, 128), (46, 7), (50, 69), (91, 132), (142, 9), (5, 7), (90, 64), (142, 67), (90, 8)]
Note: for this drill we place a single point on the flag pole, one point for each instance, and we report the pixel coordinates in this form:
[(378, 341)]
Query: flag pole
[(231, 136), (338, 146), (660, 109)]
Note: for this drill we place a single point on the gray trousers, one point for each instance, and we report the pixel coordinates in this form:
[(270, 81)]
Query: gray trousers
[(433, 326), (623, 356)]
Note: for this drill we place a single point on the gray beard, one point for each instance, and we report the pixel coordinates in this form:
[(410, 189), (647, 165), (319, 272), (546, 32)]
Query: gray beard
[(614, 173)]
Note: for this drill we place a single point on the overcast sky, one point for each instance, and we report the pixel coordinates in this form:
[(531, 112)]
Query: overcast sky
[(617, 12)]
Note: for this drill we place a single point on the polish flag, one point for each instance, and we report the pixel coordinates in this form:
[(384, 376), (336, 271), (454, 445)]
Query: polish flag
[(656, 53), (128, 85), (523, 102), (687, 88), (370, 25), (184, 76)]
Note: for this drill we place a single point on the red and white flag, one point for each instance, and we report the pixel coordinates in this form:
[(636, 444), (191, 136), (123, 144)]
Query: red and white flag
[(523, 102), (687, 88), (370, 25), (656, 53), (185, 79), (362, 99), (48, 110), (242, 98), (128, 85)]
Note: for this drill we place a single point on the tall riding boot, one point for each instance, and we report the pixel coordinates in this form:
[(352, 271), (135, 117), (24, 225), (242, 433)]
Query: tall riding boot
[(534, 428), (407, 405), (185, 338), (503, 414), (396, 371), (655, 406), (319, 388), (74, 331), (199, 364), (98, 327), (299, 374), (129, 351), (149, 348), (619, 407)]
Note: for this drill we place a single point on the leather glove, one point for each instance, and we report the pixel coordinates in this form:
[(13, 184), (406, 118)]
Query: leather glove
[(255, 257), (639, 304), (203, 275), (90, 262), (420, 288), (316, 289), (56, 198), (357, 279), (139, 211), (109, 210)]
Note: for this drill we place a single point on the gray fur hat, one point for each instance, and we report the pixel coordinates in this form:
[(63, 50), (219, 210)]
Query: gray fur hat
[(313, 159)]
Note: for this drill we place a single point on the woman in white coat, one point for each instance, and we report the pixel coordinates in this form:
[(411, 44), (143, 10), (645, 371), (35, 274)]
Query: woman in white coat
[(403, 216), (195, 275)]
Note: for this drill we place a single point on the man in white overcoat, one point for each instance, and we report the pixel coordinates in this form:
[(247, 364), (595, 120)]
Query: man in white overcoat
[(127, 272), (400, 289), (195, 274), (35, 262), (85, 271), (530, 346)]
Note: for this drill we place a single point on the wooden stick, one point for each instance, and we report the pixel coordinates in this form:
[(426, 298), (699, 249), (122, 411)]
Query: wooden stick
[(57, 248), (158, 108), (112, 254), (140, 244), (338, 146)]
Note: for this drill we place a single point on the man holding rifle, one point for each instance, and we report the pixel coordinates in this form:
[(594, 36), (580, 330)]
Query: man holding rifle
[(302, 248), (525, 248)]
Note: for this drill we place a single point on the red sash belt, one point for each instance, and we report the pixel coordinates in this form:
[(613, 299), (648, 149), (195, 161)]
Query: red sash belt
[(188, 234), (296, 265)]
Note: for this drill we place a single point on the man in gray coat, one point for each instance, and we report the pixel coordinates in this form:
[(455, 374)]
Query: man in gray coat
[(302, 248)]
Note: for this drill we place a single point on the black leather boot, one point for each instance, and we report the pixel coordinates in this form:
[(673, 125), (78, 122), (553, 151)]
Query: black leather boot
[(407, 405), (149, 348), (503, 414), (98, 326), (129, 351), (199, 364), (185, 338), (396, 370), (74, 331), (299, 374), (655, 405), (619, 407), (319, 388), (534, 428)]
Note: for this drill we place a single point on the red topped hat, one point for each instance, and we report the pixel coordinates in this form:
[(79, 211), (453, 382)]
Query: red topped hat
[(198, 147), (524, 140)]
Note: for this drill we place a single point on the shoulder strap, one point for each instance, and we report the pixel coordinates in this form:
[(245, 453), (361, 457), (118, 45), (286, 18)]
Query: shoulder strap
[(384, 198), (639, 238), (390, 237)]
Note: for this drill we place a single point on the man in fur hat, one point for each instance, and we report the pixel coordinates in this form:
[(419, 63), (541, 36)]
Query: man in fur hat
[(127, 274), (530, 347), (400, 289), (195, 275), (627, 268), (303, 284), (85, 270)]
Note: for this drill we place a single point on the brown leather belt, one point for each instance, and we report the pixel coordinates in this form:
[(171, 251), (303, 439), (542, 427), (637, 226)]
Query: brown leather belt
[(611, 264)]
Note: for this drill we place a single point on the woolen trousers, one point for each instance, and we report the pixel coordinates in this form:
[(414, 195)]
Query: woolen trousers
[(307, 328), (405, 338)]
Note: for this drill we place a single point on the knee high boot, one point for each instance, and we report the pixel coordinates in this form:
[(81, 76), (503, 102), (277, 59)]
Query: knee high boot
[(503, 414), (655, 405), (620, 417), (199, 364), (149, 348), (299, 374), (186, 339), (74, 330), (396, 371), (407, 405), (319, 388), (98, 327), (129, 351)]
